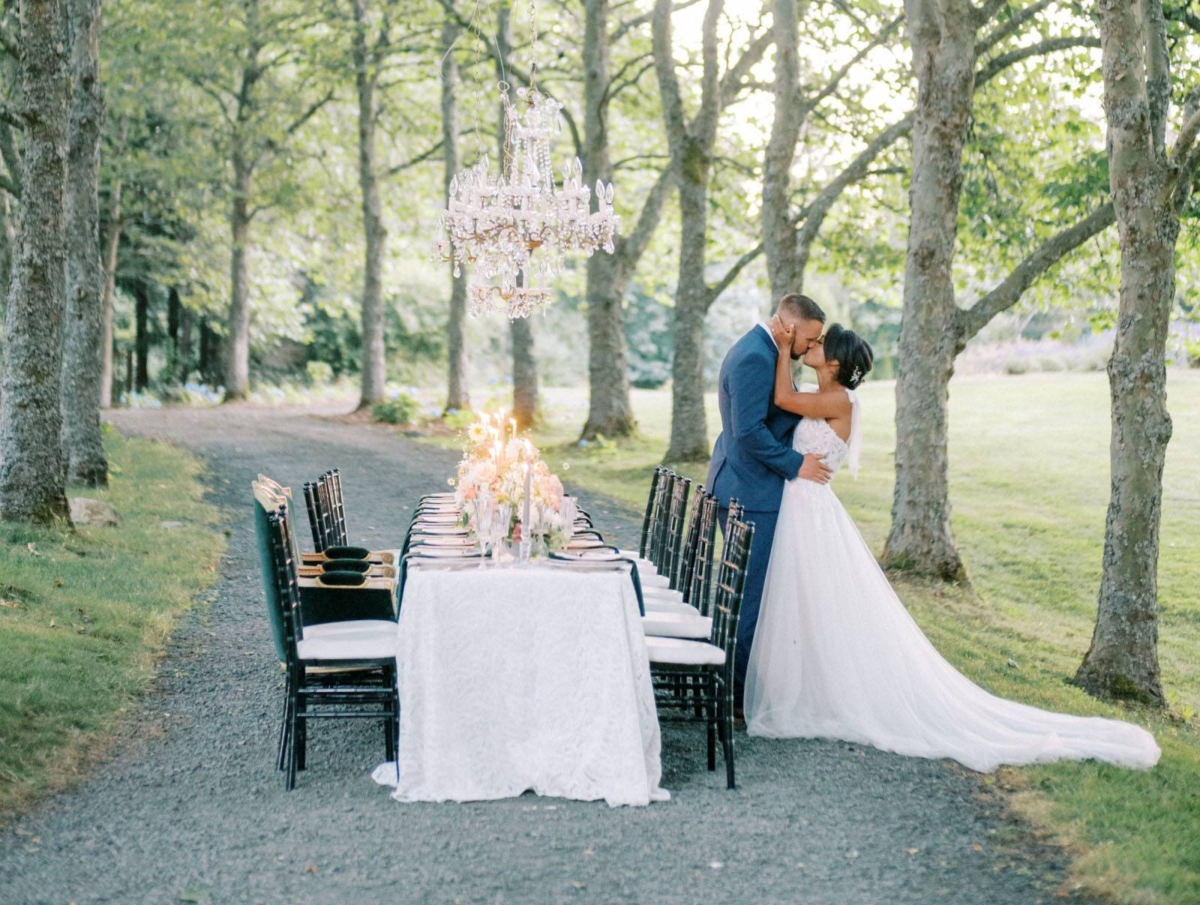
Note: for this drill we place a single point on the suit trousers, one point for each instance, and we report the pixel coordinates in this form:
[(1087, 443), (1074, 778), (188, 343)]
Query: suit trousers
[(756, 575)]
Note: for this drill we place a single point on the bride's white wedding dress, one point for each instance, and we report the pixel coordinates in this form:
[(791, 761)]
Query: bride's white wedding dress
[(837, 656)]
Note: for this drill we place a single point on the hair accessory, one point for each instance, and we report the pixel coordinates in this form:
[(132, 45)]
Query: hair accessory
[(856, 376)]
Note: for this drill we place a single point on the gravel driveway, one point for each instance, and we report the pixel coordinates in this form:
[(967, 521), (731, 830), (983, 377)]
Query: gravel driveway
[(188, 806)]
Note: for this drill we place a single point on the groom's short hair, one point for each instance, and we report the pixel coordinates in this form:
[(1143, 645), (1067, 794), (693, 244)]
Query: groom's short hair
[(800, 306)]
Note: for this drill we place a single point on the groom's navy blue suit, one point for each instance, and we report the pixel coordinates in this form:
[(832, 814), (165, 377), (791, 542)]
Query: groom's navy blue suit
[(752, 458)]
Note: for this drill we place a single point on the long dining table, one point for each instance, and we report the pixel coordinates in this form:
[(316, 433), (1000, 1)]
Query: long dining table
[(523, 677)]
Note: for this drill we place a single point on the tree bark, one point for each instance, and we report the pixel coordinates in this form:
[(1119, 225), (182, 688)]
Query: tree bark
[(237, 337), (174, 309), (457, 389), (83, 447), (524, 372), (366, 75), (943, 42), (9, 237), (142, 337), (610, 412), (779, 236), (1149, 188), (31, 466), (112, 240), (691, 148), (186, 319)]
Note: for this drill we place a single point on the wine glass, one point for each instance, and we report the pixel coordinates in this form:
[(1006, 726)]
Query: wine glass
[(485, 514), (500, 526)]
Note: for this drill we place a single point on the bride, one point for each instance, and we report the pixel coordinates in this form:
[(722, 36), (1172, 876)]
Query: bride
[(836, 654)]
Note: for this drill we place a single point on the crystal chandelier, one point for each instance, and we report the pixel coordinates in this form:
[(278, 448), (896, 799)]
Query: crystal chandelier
[(517, 228)]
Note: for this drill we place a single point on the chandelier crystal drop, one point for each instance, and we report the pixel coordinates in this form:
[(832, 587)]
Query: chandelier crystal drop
[(516, 229)]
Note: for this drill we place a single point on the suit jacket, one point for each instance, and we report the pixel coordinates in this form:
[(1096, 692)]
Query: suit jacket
[(753, 455)]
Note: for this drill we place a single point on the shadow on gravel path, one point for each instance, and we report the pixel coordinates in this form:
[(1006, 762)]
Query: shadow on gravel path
[(189, 807)]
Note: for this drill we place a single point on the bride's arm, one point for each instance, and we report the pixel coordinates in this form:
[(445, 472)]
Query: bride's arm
[(810, 405)]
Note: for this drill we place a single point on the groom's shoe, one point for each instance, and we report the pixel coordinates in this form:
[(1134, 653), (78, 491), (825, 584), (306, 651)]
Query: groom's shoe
[(739, 718)]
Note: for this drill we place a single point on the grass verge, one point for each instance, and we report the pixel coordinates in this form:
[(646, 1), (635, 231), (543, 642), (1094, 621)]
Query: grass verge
[(1029, 481), (84, 615)]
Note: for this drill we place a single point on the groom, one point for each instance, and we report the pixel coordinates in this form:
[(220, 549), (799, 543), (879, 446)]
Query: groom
[(753, 455)]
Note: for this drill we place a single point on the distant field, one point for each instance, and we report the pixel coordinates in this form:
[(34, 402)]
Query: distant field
[(1029, 482)]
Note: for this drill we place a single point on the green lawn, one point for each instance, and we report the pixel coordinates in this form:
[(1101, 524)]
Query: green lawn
[(1029, 482), (83, 616)]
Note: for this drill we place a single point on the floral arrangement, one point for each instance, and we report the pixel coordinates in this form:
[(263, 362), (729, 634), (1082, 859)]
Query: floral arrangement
[(503, 477)]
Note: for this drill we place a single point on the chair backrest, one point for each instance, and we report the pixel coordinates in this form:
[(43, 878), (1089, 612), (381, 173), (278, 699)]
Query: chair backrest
[(647, 520), (698, 589), (734, 513), (687, 554), (279, 576), (676, 521), (333, 479), (265, 504), (658, 527), (731, 582), (335, 531), (316, 517)]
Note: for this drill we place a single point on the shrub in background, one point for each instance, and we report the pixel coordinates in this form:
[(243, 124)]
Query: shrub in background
[(400, 410)]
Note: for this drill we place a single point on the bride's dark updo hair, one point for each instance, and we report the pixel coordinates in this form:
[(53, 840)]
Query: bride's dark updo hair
[(852, 353)]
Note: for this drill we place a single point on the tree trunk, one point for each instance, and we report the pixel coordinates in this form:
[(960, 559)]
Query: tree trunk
[(1149, 186), (524, 372), (142, 337), (209, 352), (9, 236), (186, 319), (943, 42), (111, 241), (689, 428), (457, 391), (31, 466), (237, 338), (691, 147), (610, 412), (174, 309), (779, 236), (366, 73), (83, 447)]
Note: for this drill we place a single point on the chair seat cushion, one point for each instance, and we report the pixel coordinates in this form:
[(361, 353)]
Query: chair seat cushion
[(360, 627), (346, 565), (662, 606), (665, 594), (681, 652), (676, 625), (347, 552), (372, 640), (343, 579)]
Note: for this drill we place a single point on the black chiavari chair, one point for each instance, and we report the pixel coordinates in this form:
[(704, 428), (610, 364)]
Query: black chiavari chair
[(335, 670), (696, 677)]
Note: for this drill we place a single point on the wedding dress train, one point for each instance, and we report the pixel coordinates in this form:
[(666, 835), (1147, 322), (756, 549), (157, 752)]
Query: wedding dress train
[(836, 655)]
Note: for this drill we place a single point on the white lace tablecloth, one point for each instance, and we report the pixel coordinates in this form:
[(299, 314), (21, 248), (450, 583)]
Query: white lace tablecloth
[(524, 678)]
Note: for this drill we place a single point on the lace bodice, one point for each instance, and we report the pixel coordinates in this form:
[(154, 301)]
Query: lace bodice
[(814, 435)]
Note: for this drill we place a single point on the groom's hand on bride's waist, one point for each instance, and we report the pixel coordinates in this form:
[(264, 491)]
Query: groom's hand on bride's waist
[(813, 469)]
